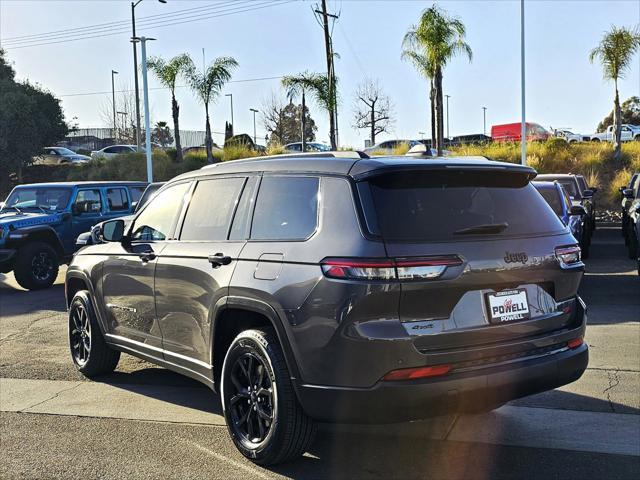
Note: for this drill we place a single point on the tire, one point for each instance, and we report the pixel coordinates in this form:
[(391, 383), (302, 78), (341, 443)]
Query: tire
[(595, 139), (585, 244), (633, 245), (92, 357), (279, 430), (36, 266)]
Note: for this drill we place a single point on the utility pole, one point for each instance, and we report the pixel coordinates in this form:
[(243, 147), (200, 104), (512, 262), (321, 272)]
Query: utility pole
[(484, 121), (145, 91), (254, 123), (330, 72), (230, 95), (523, 129), (113, 98), (448, 96)]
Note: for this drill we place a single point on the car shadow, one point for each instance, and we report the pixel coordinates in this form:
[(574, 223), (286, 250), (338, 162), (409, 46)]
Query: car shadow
[(16, 301)]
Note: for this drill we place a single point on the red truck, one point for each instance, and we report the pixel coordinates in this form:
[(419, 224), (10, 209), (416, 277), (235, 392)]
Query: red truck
[(510, 132)]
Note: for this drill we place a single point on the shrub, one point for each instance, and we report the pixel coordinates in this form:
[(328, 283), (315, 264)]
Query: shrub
[(171, 153), (275, 148)]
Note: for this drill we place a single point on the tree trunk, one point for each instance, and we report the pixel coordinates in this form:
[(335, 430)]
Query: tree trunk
[(303, 123), (208, 141), (373, 123), (617, 127), (432, 102), (175, 110), (439, 112)]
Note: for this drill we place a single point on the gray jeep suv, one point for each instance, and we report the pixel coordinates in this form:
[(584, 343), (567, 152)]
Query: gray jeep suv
[(335, 287)]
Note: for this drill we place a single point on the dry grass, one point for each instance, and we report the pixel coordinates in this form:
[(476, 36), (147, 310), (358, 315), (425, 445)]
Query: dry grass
[(594, 160)]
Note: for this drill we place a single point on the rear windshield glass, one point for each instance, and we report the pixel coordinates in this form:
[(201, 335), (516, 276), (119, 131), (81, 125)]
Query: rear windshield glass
[(452, 205), (553, 199)]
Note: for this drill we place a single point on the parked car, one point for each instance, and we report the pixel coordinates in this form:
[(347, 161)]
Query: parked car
[(92, 237), (296, 147), (40, 222), (573, 216), (575, 188), (512, 132), (113, 150), (388, 146), (569, 136), (629, 132), (59, 155), (327, 288), (633, 228), (628, 194)]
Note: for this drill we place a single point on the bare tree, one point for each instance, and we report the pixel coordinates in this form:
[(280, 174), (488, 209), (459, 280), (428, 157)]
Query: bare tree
[(372, 109), (125, 115), (284, 121)]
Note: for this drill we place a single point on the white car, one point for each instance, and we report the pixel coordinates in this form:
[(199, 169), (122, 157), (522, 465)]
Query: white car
[(569, 136), (113, 150), (310, 147), (629, 132)]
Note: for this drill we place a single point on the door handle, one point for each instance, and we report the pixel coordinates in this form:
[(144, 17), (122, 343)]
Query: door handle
[(219, 259), (147, 256)]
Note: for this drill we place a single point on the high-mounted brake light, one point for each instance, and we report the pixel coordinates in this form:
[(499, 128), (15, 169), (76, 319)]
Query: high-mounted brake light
[(418, 372), (405, 269), (568, 256)]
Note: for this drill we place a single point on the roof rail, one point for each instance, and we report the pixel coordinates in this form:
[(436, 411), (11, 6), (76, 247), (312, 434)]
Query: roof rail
[(353, 154)]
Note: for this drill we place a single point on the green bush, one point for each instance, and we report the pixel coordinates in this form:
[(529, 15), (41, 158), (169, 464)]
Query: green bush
[(171, 153)]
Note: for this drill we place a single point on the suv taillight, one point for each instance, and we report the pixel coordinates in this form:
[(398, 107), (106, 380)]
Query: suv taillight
[(404, 269), (568, 256)]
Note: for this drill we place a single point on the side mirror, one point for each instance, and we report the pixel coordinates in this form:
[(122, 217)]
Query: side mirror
[(113, 230), (627, 193), (577, 210), (588, 193)]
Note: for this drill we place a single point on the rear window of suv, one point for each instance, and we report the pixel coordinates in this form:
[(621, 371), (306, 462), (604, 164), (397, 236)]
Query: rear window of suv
[(453, 205)]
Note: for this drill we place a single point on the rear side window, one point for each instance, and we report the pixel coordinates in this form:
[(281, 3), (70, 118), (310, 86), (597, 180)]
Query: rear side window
[(117, 199), (553, 199), (88, 201), (286, 208), (211, 209), (453, 205)]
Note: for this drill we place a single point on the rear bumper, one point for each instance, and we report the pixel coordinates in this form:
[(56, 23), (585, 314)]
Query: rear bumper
[(388, 402), (6, 259)]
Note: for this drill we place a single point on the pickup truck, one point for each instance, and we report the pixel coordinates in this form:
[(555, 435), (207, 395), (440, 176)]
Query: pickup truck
[(629, 132), (39, 224)]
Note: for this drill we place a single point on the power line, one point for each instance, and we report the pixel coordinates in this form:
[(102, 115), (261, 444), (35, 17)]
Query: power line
[(166, 88), (141, 20), (253, 7)]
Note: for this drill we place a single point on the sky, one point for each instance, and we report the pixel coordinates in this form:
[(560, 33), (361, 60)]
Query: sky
[(271, 38)]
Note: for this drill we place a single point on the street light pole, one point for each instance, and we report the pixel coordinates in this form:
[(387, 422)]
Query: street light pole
[(113, 98), (145, 92), (484, 121), (254, 123), (448, 96), (523, 126), (135, 68), (230, 95)]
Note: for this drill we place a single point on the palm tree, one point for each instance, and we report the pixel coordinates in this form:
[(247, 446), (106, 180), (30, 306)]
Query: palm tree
[(320, 89), (168, 73), (207, 86), (615, 51), (430, 45)]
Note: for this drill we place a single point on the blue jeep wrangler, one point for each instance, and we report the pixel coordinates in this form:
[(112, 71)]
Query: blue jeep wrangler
[(39, 224)]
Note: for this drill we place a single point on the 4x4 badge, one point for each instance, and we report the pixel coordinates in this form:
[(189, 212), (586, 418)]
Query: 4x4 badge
[(518, 257)]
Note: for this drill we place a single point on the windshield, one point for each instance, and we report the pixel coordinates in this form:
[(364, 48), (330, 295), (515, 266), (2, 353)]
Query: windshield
[(64, 151), (442, 205), (49, 199), (552, 198)]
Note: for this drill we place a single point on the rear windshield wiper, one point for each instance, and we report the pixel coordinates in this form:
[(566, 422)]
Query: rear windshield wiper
[(486, 228)]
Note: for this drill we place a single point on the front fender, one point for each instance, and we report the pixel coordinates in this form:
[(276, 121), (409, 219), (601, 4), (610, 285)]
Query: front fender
[(20, 235), (75, 274)]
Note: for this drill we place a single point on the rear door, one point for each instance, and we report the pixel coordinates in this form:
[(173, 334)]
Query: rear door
[(194, 272), (475, 250)]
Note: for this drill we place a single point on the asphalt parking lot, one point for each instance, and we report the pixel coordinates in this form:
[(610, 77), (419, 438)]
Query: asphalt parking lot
[(146, 422)]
